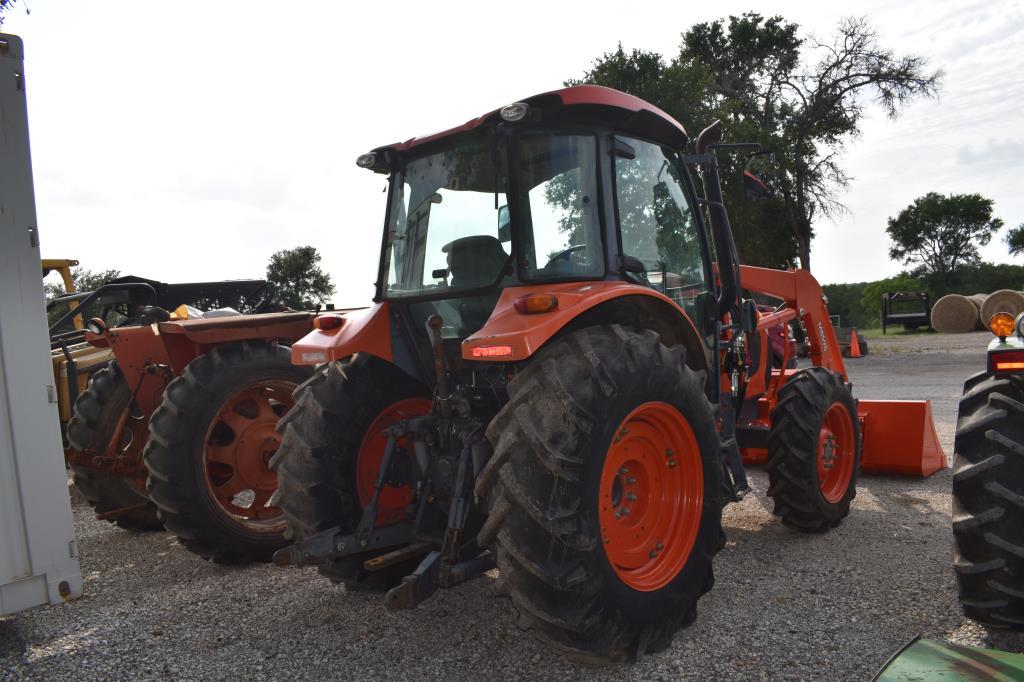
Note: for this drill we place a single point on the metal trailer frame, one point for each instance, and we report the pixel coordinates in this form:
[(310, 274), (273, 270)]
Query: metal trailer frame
[(38, 553)]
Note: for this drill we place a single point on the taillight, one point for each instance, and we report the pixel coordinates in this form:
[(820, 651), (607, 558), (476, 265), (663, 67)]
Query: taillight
[(328, 322), (491, 352), (536, 303), (1006, 361)]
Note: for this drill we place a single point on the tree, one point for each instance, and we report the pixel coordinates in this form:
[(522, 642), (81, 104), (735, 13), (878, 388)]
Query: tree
[(801, 98), (6, 5), (1015, 240), (84, 280), (939, 233), (297, 278)]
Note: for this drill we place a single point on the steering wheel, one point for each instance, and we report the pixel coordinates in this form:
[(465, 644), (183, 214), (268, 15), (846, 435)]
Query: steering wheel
[(565, 254)]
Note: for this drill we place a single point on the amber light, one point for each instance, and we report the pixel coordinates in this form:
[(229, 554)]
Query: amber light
[(1006, 361), (536, 303), (1001, 324), (327, 322), (491, 351)]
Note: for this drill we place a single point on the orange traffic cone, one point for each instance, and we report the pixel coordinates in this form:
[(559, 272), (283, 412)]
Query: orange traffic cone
[(854, 344)]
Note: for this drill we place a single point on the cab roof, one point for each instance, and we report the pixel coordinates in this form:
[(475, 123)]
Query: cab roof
[(586, 104)]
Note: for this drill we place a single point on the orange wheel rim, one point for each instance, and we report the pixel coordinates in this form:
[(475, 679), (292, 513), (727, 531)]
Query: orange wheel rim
[(835, 453), (651, 497), (394, 499), (239, 444)]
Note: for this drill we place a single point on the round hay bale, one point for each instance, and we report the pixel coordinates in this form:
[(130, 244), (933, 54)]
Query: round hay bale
[(954, 314), (1002, 301), (978, 300)]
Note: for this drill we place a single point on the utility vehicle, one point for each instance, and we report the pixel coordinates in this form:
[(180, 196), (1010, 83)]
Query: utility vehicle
[(557, 377)]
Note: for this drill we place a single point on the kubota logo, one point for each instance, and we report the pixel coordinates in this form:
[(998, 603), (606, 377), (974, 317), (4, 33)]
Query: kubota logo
[(821, 335)]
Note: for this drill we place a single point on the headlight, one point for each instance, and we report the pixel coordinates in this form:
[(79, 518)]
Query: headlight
[(515, 112), (96, 325), (1019, 325)]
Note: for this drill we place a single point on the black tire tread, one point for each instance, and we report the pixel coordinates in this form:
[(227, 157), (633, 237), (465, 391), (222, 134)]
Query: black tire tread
[(316, 460), (543, 538), (172, 482), (793, 450), (94, 417), (988, 500)]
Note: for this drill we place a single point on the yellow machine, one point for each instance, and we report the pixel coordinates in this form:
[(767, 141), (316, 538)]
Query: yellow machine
[(69, 354)]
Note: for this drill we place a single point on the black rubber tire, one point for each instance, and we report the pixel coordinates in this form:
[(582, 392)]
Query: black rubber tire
[(316, 462), (542, 486), (176, 451), (793, 450), (95, 415), (988, 501)]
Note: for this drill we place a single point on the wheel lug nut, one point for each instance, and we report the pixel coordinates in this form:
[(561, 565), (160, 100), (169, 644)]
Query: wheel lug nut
[(631, 481), (631, 496), (659, 547), (672, 464), (669, 453), (653, 554), (625, 511), (623, 471)]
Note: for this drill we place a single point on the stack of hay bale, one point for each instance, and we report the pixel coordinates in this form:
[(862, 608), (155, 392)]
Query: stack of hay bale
[(958, 314)]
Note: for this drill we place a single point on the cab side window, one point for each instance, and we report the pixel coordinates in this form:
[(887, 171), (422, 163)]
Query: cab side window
[(657, 223)]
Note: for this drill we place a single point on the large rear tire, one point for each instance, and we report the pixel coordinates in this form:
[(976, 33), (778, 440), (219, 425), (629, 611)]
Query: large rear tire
[(814, 451), (96, 415), (988, 501), (209, 446), (328, 448), (604, 494)]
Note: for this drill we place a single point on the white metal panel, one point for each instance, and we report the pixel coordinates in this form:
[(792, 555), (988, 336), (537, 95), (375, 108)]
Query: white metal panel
[(38, 558)]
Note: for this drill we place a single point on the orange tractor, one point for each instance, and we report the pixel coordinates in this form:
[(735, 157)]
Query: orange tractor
[(177, 429), (560, 377)]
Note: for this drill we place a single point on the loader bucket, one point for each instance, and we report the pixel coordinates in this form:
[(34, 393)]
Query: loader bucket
[(899, 438)]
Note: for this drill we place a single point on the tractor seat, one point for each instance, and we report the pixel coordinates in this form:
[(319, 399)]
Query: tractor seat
[(474, 261)]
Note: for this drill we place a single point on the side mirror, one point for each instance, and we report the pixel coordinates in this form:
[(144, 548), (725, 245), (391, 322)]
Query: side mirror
[(749, 317), (504, 224), (754, 188), (633, 264)]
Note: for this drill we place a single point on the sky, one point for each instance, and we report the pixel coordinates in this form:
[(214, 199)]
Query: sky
[(189, 141)]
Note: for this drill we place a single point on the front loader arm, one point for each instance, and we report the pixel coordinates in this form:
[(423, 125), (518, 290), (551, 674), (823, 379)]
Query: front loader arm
[(802, 293)]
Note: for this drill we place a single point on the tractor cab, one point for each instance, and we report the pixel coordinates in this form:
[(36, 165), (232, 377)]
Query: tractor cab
[(534, 196)]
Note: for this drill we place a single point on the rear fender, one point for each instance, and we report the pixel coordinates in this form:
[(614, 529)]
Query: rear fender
[(518, 336), (362, 331)]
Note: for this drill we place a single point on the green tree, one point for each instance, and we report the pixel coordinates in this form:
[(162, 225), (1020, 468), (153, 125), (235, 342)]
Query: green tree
[(801, 98), (298, 280), (84, 280), (1015, 240), (871, 297), (939, 233), (5, 6)]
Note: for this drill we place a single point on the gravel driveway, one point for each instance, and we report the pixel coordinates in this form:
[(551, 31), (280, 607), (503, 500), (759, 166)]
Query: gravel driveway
[(786, 605)]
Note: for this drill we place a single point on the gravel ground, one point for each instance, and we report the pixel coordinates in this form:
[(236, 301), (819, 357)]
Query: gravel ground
[(786, 606)]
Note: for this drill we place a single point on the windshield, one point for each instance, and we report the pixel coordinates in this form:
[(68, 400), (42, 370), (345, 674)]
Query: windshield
[(448, 224), (449, 227)]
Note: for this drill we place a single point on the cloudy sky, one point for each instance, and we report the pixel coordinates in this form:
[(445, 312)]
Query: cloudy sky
[(189, 141)]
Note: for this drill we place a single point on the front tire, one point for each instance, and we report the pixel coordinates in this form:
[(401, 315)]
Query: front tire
[(210, 442), (604, 494), (97, 412), (988, 501), (814, 450)]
